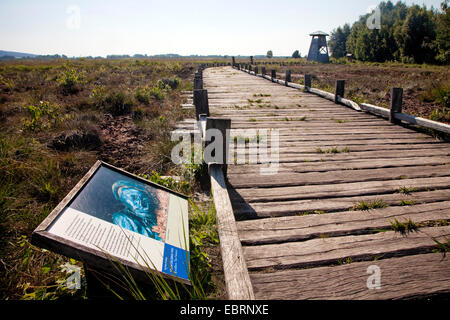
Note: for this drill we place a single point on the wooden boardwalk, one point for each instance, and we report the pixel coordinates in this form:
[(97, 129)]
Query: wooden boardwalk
[(302, 234)]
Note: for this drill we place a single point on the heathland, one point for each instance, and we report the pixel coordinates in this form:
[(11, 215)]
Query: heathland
[(57, 117)]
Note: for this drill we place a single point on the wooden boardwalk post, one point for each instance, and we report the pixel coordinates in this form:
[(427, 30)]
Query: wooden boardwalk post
[(198, 80), (223, 125), (256, 70), (201, 102), (339, 90), (198, 83), (274, 74), (307, 82), (288, 77), (395, 104)]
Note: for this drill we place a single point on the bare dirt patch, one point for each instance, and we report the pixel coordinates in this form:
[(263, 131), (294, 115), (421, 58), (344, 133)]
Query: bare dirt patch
[(122, 140)]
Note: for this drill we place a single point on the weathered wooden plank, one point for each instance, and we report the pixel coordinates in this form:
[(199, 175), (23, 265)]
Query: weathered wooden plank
[(341, 135), (295, 104), (271, 206), (354, 164), (339, 190), (267, 109), (294, 135), (300, 228), (287, 148), (423, 122), (340, 177), (361, 155), (308, 124), (275, 116), (407, 118), (345, 140), (235, 270), (351, 156), (410, 277), (325, 251), (308, 117), (300, 119)]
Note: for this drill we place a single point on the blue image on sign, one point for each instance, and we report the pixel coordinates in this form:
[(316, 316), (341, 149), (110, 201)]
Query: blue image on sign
[(123, 201), (176, 262)]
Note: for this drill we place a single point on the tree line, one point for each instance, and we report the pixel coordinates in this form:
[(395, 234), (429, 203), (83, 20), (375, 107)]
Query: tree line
[(409, 34)]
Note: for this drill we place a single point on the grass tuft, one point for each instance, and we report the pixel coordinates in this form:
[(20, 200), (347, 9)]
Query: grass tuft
[(404, 227), (333, 150), (367, 205), (406, 190), (443, 246)]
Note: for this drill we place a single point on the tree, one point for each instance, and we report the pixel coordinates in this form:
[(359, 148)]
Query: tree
[(338, 41), (296, 54), (418, 35), (443, 34), (406, 33), (269, 54)]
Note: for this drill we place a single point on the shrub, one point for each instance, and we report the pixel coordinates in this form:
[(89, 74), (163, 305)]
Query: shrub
[(69, 81), (85, 136), (173, 83), (441, 114), (42, 116), (168, 182), (142, 94), (7, 83), (157, 92), (437, 93), (98, 96), (138, 113), (174, 67), (440, 95), (119, 103)]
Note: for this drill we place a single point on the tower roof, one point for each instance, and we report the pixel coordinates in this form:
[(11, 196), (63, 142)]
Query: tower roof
[(318, 33)]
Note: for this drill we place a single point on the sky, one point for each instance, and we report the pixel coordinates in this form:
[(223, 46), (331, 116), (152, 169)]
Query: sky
[(231, 27)]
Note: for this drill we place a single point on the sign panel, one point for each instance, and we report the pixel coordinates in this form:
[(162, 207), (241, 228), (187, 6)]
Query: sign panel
[(118, 215)]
